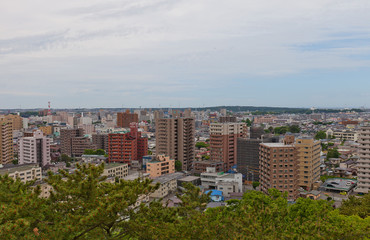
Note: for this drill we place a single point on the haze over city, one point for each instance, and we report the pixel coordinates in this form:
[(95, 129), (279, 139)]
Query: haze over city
[(184, 53)]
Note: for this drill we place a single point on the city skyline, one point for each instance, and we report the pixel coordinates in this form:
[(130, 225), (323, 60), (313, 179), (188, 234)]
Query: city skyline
[(162, 53)]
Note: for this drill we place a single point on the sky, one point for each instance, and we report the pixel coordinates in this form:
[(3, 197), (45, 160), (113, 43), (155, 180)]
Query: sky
[(184, 53)]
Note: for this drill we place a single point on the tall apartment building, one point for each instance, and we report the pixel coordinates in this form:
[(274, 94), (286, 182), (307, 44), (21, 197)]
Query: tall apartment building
[(223, 142), (308, 154), (279, 168), (248, 155), (363, 164), (34, 149), (175, 137), (100, 141), (125, 147), (73, 142), (17, 121), (6, 141), (125, 118)]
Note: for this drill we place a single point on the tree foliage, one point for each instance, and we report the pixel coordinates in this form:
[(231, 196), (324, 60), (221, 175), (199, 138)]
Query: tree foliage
[(332, 153), (200, 145), (86, 206), (320, 135), (94, 152), (178, 165), (285, 129)]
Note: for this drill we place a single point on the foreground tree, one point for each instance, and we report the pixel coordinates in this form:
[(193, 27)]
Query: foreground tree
[(85, 206)]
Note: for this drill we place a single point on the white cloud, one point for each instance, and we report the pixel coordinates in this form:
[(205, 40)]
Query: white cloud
[(177, 45)]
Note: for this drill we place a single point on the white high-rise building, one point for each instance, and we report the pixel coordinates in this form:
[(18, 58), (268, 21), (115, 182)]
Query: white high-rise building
[(363, 164), (34, 149)]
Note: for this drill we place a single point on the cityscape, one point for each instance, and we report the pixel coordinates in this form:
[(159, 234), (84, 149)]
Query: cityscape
[(321, 154), (197, 119)]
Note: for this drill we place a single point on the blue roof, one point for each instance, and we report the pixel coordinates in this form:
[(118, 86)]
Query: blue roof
[(214, 192)]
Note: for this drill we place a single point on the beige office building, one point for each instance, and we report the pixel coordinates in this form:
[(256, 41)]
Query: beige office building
[(25, 173), (175, 137), (6, 141), (363, 164), (160, 165), (308, 155)]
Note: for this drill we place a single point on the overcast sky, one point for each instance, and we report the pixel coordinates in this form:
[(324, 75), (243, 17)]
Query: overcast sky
[(180, 53)]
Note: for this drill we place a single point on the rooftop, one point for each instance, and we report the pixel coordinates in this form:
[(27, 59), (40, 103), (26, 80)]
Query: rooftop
[(276, 145), (189, 178), (339, 184), (17, 168), (168, 177), (113, 165)]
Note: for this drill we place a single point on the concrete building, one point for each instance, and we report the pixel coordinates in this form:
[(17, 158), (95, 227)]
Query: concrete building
[(248, 156), (17, 121), (225, 182), (201, 166), (126, 147), (168, 184), (308, 154), (34, 149), (160, 165), (25, 173), (74, 142), (223, 143), (113, 170), (175, 137), (47, 130), (100, 141), (279, 168), (6, 141), (226, 119), (363, 164), (125, 118)]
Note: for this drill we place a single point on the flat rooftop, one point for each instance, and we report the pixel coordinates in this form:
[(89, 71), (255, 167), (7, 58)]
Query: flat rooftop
[(17, 168), (189, 178), (276, 145), (113, 165), (168, 177)]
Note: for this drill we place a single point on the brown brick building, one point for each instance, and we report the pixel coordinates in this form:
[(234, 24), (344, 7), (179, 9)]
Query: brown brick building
[(73, 142), (175, 137), (223, 142), (125, 118), (279, 168)]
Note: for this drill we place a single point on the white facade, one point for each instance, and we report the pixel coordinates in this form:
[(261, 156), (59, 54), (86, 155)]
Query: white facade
[(34, 149), (226, 128), (225, 182)]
